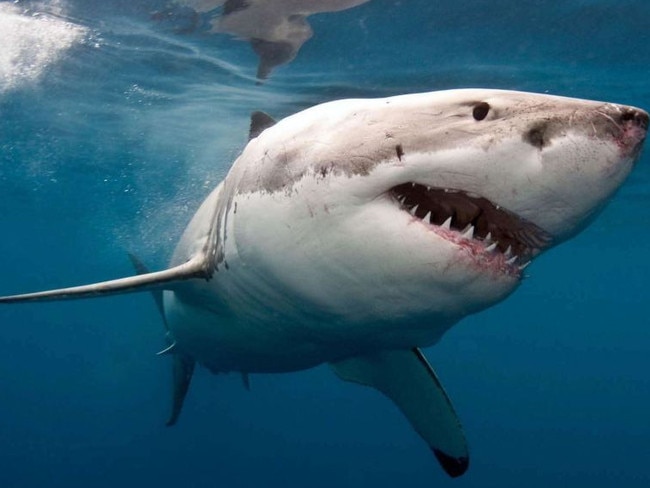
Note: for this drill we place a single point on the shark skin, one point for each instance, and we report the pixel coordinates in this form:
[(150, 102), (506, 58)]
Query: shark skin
[(358, 231)]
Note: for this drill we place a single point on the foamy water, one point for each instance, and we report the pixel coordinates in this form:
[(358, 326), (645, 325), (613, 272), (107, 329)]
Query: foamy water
[(31, 42)]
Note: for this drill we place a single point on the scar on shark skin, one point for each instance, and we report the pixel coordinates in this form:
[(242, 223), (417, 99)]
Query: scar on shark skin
[(399, 151)]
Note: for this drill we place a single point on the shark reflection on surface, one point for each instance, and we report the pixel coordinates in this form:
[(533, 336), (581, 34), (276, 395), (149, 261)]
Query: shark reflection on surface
[(276, 29)]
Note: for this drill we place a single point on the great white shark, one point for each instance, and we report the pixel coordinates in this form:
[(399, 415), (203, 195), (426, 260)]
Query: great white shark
[(358, 231)]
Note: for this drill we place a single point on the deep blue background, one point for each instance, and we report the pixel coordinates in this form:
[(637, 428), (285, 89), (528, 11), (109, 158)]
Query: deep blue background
[(116, 142)]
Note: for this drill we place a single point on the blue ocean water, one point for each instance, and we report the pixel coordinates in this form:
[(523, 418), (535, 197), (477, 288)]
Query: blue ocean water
[(116, 120)]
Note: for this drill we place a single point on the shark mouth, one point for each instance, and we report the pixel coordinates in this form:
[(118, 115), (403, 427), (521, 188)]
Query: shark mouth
[(474, 222)]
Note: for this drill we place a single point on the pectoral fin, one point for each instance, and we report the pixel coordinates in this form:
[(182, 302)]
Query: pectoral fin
[(194, 268), (409, 381)]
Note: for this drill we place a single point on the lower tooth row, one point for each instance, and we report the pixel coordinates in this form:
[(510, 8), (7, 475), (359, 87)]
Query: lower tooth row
[(468, 233)]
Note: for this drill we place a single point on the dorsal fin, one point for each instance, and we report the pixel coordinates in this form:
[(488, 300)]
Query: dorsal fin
[(272, 54), (260, 121), (232, 6)]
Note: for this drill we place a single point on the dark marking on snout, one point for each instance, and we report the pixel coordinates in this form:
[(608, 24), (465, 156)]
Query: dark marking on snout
[(536, 135), (400, 151)]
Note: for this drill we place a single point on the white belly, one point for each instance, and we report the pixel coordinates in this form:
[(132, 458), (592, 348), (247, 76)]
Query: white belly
[(249, 336)]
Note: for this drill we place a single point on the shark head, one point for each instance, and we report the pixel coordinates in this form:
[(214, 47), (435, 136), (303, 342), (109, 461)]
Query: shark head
[(424, 205)]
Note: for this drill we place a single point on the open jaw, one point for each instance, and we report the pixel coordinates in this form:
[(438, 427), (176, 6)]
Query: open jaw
[(495, 236)]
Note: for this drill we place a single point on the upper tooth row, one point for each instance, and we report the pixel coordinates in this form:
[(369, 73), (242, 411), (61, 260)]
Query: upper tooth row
[(468, 233)]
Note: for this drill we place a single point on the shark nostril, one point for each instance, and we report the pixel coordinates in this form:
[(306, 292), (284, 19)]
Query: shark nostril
[(635, 116), (536, 135)]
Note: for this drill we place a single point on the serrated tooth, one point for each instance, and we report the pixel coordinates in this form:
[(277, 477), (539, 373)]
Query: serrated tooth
[(427, 218), (413, 210), (523, 266), (468, 233), (428, 188), (402, 199), (491, 247), (512, 260), (508, 252), (446, 224), (488, 237)]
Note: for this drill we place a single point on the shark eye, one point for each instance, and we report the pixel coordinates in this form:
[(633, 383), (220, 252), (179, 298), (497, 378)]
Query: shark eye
[(481, 110)]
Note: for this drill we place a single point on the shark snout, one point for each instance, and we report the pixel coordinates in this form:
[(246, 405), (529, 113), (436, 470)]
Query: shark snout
[(627, 125), (634, 117), (635, 128)]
